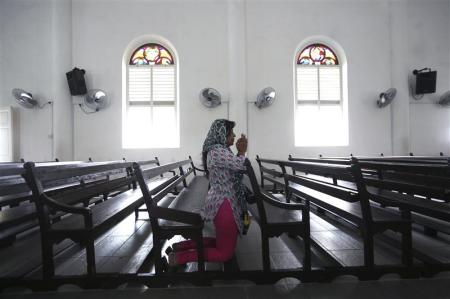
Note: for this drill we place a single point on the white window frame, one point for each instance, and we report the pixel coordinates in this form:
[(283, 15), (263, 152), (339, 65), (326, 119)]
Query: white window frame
[(318, 103), (152, 104), (6, 123)]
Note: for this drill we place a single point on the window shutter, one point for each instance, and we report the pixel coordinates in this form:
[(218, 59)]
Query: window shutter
[(307, 83), (139, 88), (330, 83), (164, 84)]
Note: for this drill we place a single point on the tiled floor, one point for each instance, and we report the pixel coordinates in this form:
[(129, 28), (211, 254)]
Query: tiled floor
[(411, 289), (125, 247)]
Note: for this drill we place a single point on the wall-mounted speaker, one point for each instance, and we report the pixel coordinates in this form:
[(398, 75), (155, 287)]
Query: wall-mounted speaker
[(425, 82), (75, 79)]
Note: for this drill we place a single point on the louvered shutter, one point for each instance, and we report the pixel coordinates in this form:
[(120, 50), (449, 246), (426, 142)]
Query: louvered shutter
[(151, 111), (307, 83), (139, 84), (330, 83), (164, 89)]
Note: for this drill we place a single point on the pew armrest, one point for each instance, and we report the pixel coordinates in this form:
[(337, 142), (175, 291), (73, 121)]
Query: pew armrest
[(85, 212), (176, 215), (284, 205), (199, 169)]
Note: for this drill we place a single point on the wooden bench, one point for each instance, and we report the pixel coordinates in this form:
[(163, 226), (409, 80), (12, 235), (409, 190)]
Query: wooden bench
[(13, 189), (162, 179), (334, 160), (82, 224), (423, 189), (315, 183), (272, 175), (276, 218), (345, 181), (400, 177), (15, 193), (18, 213), (179, 216), (437, 160), (423, 179)]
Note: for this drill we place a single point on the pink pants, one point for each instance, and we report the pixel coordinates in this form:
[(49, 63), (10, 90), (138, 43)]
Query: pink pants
[(219, 249)]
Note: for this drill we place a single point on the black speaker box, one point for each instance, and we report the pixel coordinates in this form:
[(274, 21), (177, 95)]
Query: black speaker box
[(75, 79), (426, 82)]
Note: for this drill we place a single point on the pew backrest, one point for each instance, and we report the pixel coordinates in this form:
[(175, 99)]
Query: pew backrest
[(321, 178), (87, 179), (152, 199), (423, 179)]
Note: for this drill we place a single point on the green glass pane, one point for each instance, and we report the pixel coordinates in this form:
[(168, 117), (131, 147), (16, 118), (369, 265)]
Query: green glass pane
[(151, 54), (317, 54)]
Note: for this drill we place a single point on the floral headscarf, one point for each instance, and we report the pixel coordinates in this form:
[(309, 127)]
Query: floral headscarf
[(217, 135)]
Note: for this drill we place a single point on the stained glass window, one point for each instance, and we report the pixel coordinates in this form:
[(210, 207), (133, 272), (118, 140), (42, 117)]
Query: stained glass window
[(317, 54), (151, 54), (321, 113), (151, 119)]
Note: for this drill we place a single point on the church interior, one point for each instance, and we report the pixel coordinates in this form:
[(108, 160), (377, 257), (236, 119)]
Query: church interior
[(126, 124)]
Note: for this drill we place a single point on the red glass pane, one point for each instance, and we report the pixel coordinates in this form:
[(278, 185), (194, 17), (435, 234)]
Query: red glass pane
[(151, 54), (317, 54)]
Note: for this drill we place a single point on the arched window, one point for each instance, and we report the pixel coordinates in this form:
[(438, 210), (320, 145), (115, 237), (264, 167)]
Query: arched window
[(320, 118), (151, 106)]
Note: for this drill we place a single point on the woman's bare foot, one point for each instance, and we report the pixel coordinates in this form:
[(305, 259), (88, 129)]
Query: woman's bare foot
[(169, 249), (172, 259)]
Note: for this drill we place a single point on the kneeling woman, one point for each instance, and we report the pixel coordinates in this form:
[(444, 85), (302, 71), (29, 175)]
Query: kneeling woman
[(225, 203)]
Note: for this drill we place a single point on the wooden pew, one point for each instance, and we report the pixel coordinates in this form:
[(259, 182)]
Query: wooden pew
[(316, 183), (274, 176), (346, 181), (408, 177), (335, 160), (276, 218), (18, 213), (82, 224), (439, 160), (15, 193), (411, 175), (399, 159), (164, 180), (420, 188), (178, 216)]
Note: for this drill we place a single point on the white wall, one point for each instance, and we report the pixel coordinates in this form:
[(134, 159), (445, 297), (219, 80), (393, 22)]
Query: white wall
[(428, 35), (275, 31), (198, 31), (35, 56), (384, 41), (237, 47), (25, 60), (399, 57), (62, 63), (2, 12)]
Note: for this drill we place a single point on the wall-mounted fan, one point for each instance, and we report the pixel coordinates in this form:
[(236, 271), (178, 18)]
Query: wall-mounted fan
[(444, 100), (265, 97), (95, 99), (25, 99), (210, 97), (386, 97)]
